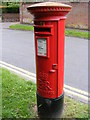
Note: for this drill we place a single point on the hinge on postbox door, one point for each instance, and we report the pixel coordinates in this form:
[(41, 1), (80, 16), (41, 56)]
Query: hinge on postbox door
[(55, 66)]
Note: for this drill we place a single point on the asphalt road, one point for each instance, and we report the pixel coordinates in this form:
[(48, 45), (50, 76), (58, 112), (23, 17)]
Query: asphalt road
[(18, 49)]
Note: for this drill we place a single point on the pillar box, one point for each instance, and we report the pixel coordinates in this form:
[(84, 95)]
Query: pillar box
[(49, 31)]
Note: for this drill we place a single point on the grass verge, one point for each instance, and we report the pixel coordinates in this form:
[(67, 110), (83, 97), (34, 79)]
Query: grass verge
[(68, 32), (19, 99), (18, 96), (21, 27), (77, 33), (75, 109)]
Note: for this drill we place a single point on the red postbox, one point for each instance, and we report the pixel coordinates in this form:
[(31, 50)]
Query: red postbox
[(49, 31)]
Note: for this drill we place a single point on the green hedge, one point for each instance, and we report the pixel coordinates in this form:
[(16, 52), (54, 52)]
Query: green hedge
[(11, 9)]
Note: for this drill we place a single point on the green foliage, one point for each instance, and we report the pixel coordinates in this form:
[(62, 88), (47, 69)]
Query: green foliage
[(11, 7), (13, 4), (10, 3)]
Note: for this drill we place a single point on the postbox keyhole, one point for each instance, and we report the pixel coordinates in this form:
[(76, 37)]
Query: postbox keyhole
[(55, 66)]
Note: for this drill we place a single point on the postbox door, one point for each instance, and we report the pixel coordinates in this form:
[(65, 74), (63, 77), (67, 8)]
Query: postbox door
[(47, 62), (46, 58)]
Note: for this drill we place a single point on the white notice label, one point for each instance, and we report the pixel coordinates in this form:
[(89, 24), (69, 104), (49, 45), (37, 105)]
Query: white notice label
[(42, 46)]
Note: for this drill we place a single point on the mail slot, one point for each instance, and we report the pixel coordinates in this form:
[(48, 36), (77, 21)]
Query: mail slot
[(45, 29), (49, 31), (37, 29)]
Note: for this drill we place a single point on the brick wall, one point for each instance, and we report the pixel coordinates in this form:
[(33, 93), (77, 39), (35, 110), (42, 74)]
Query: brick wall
[(10, 17), (77, 18)]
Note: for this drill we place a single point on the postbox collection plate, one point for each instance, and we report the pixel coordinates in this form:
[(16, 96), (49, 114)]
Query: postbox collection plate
[(42, 46)]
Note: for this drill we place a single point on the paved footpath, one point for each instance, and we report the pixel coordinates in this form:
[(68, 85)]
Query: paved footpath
[(18, 50)]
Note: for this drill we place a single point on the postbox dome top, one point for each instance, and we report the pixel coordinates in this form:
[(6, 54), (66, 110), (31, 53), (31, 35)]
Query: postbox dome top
[(49, 9), (49, 4)]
